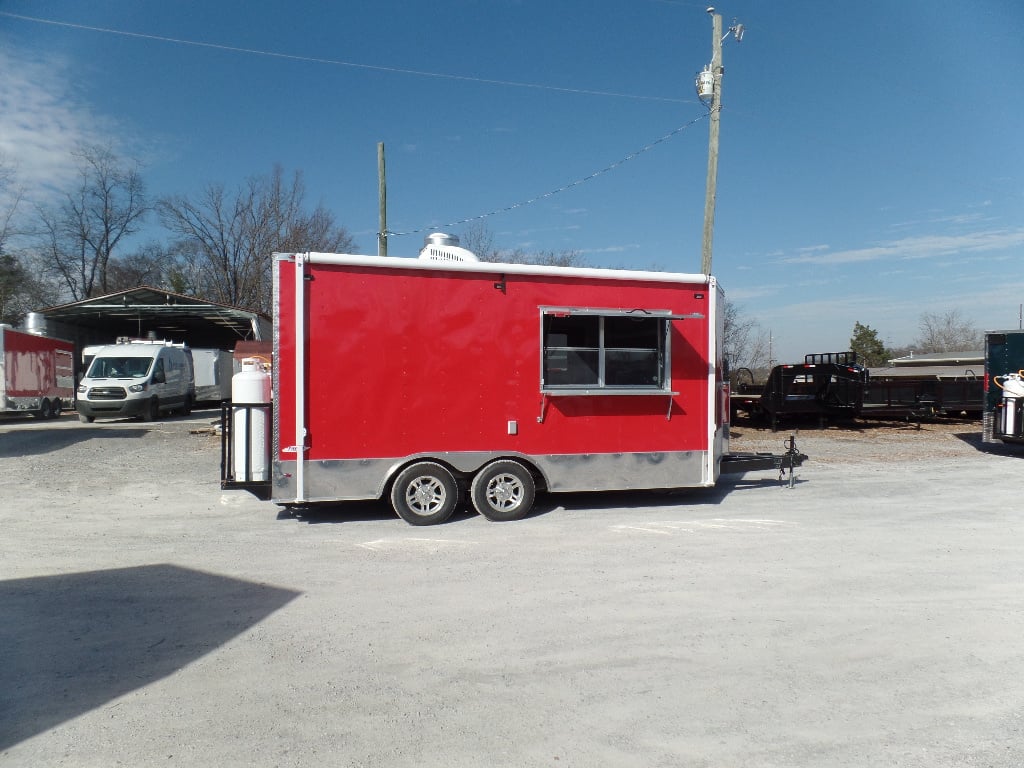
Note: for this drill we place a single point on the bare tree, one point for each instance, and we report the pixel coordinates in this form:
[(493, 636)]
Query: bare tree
[(79, 236), (10, 199), (153, 264), (745, 342), (544, 258), (22, 289), (479, 239), (947, 332), (226, 241)]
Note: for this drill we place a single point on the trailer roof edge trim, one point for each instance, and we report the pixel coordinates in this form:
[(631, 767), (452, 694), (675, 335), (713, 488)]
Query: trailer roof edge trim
[(398, 262)]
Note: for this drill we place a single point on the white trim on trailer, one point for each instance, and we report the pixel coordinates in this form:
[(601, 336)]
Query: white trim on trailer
[(398, 262), (300, 377), (712, 388)]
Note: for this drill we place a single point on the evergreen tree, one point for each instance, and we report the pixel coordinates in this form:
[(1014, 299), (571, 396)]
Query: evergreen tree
[(871, 352)]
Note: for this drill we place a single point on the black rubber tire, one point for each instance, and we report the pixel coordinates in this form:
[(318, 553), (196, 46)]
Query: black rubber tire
[(86, 419), (152, 411), (424, 493), (56, 407), (44, 411), (186, 409), (503, 491)]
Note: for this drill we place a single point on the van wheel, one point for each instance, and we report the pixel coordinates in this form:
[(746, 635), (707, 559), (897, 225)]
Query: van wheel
[(503, 491), (86, 419), (186, 409), (151, 411), (424, 493)]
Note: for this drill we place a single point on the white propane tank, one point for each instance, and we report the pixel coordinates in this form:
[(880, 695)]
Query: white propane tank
[(1012, 385), (251, 385)]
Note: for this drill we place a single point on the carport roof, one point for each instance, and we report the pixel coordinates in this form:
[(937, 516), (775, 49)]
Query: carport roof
[(139, 311)]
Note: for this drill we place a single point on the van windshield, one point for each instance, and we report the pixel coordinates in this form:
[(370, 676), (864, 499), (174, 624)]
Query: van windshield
[(119, 367)]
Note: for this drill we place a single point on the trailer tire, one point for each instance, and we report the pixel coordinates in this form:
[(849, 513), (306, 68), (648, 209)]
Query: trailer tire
[(503, 491), (58, 406), (44, 411), (424, 493)]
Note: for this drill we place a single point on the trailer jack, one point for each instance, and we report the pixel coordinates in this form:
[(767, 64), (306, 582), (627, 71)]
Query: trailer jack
[(784, 462), (791, 459)]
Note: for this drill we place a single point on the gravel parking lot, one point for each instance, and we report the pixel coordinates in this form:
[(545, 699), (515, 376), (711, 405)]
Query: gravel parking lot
[(869, 616)]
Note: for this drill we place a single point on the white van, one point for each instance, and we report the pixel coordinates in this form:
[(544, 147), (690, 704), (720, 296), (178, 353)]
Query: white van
[(137, 378)]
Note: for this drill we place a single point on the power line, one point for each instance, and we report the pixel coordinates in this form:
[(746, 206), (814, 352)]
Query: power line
[(570, 185), (338, 63)]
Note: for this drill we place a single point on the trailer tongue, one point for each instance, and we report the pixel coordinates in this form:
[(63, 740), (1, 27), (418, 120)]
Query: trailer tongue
[(435, 380)]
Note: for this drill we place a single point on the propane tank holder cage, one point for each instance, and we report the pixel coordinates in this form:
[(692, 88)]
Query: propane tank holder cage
[(228, 480)]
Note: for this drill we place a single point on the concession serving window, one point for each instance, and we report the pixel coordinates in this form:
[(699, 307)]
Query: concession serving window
[(587, 351)]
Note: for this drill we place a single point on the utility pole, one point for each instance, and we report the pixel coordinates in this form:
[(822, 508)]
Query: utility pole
[(382, 200), (716, 109), (709, 85)]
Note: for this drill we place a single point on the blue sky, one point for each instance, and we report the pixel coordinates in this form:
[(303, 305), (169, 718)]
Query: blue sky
[(870, 165)]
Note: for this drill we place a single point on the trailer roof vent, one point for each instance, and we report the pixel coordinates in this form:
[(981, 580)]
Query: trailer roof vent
[(35, 324), (443, 247)]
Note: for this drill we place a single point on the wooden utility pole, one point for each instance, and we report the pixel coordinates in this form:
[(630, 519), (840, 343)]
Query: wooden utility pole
[(716, 101), (382, 199)]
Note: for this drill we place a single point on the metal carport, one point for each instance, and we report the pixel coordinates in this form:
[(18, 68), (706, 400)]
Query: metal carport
[(147, 312)]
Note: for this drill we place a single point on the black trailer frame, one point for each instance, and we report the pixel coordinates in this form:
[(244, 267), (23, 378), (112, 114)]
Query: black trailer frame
[(829, 385)]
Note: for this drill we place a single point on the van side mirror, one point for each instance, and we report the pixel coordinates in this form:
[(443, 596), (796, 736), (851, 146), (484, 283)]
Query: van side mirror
[(159, 378)]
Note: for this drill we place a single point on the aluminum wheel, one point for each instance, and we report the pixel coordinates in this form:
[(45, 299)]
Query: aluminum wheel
[(503, 490), (425, 494)]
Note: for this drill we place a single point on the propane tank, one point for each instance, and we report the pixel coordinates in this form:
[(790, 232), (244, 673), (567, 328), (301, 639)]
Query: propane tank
[(250, 386), (1012, 385)]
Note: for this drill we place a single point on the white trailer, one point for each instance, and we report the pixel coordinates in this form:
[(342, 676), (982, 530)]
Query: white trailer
[(213, 370)]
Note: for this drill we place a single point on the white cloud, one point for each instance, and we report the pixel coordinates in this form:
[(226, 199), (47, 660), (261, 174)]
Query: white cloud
[(42, 121), (753, 292), (924, 247), (611, 248), (962, 218)]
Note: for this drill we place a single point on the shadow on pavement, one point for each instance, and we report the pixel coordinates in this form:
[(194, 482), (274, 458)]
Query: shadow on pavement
[(73, 642), (974, 440), (374, 510), (687, 497), (40, 441)]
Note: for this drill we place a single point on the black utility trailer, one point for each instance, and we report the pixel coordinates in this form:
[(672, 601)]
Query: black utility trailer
[(829, 386), (924, 392)]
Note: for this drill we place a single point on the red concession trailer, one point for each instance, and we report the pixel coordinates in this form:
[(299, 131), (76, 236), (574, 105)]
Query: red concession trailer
[(434, 380), (36, 373)]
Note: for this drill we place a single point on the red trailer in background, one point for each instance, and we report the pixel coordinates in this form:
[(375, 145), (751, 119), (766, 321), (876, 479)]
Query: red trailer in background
[(430, 380), (36, 373)]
